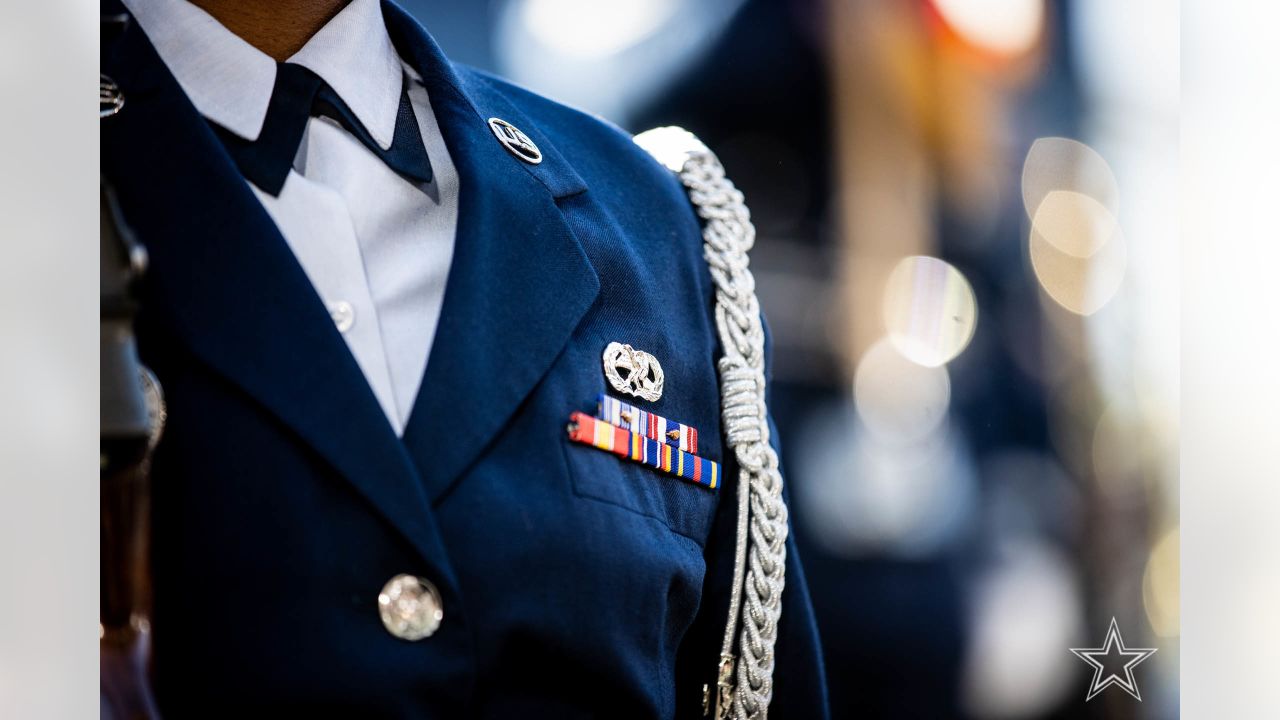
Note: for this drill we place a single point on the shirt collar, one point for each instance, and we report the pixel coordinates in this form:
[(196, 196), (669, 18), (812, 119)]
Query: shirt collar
[(353, 53), (230, 82)]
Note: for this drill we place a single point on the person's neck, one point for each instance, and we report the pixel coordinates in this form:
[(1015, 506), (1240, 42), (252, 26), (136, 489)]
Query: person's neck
[(278, 28)]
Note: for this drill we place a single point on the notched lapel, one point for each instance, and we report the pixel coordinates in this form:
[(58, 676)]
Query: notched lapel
[(223, 279), (520, 281), (519, 285)]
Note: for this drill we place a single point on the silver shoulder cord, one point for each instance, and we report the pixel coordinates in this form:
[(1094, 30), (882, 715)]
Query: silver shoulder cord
[(760, 555)]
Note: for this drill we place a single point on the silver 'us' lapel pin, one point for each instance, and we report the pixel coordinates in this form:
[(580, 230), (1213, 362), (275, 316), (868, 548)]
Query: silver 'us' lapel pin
[(515, 141)]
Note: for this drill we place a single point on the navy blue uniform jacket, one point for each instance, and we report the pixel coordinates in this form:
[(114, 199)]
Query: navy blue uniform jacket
[(574, 583)]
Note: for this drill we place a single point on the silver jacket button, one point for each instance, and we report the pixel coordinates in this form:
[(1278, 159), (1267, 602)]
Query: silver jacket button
[(410, 607)]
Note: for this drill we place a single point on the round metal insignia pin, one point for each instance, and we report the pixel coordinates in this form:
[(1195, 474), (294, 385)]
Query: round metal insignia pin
[(515, 141)]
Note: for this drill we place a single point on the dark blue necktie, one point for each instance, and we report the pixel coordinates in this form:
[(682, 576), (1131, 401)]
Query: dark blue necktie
[(300, 94)]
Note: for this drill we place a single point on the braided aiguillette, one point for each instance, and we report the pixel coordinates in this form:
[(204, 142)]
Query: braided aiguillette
[(745, 680)]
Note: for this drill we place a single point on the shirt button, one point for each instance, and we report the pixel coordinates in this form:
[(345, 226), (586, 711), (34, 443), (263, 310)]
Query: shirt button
[(410, 607), (344, 316)]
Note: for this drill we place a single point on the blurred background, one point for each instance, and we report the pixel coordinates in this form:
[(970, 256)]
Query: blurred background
[(968, 255)]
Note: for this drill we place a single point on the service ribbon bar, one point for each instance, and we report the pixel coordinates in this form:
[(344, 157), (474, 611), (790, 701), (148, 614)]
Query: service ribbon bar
[(636, 447), (654, 427)]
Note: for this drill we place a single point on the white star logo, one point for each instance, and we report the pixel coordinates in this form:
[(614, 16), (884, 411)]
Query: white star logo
[(1098, 657)]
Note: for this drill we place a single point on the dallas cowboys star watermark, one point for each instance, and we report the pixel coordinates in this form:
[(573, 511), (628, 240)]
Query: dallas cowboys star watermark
[(1098, 657)]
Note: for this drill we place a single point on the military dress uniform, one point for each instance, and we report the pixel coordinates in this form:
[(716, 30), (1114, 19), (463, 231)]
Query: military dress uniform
[(323, 546)]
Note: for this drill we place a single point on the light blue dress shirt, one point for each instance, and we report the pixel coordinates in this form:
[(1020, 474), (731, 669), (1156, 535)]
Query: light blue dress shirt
[(376, 248)]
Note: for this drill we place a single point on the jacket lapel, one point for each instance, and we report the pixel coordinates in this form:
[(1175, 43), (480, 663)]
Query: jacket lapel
[(223, 279), (520, 280)]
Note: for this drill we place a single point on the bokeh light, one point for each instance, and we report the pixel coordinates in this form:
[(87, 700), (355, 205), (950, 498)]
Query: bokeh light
[(863, 496), (1005, 27), (1075, 223), (1160, 586), (594, 28), (1027, 609), (1057, 163), (1082, 284), (899, 400), (929, 310)]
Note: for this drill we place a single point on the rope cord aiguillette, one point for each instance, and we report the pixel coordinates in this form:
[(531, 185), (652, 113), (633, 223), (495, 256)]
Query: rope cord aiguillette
[(744, 684)]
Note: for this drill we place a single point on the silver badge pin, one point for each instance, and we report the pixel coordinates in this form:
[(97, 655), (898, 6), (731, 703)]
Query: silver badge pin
[(515, 141), (633, 372)]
